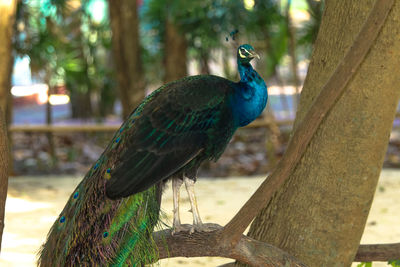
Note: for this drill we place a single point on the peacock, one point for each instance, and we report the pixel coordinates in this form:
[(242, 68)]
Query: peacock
[(109, 218)]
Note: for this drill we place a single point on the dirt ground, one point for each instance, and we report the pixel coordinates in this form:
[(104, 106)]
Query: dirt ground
[(34, 203)]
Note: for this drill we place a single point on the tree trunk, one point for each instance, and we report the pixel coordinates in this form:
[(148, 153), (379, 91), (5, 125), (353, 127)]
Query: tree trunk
[(81, 105), (272, 144), (7, 17), (293, 57), (79, 84), (174, 53), (204, 69), (8, 119), (9, 107), (319, 214), (49, 122), (127, 53), (4, 158)]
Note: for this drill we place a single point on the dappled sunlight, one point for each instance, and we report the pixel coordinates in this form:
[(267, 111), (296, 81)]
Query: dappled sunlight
[(40, 90), (248, 4), (12, 240), (11, 259), (18, 205), (59, 99)]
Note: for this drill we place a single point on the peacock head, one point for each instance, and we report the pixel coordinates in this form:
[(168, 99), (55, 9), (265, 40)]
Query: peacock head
[(246, 53)]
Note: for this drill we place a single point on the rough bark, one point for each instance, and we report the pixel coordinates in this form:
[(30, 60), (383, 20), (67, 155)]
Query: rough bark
[(272, 144), (175, 57), (4, 158), (325, 203), (127, 53)]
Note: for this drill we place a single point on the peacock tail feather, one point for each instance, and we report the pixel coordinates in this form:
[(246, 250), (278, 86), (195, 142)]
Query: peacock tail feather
[(93, 230)]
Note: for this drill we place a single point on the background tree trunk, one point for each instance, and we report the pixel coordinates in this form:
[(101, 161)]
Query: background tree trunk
[(49, 122), (291, 31), (319, 215), (7, 17), (204, 58), (175, 57), (127, 54), (81, 104)]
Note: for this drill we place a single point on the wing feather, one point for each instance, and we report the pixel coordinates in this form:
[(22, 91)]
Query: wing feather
[(168, 131)]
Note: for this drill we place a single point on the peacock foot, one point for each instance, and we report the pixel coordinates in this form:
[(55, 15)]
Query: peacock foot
[(177, 228), (202, 227)]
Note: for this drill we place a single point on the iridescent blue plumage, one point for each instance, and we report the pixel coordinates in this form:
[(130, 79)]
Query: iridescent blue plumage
[(250, 95), (111, 214)]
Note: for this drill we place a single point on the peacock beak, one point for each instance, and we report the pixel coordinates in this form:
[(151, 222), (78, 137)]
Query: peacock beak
[(254, 54)]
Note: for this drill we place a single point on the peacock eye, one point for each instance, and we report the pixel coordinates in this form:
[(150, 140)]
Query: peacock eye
[(243, 53)]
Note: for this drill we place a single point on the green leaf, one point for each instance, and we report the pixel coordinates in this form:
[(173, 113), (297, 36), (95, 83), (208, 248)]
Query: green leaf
[(394, 263)]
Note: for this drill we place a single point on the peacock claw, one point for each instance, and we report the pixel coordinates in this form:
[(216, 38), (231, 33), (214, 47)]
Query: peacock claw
[(180, 228), (191, 228), (202, 227)]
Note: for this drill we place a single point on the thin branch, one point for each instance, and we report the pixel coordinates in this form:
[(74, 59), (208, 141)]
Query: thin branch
[(200, 244), (302, 136), (378, 252)]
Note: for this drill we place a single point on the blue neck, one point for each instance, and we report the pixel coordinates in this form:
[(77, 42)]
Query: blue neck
[(245, 71), (249, 97)]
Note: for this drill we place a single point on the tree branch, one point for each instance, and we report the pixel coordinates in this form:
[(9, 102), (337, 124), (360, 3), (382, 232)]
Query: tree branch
[(378, 252), (302, 136), (200, 244)]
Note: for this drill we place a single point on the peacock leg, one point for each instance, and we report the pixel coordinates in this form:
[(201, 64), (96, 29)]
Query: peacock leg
[(197, 223), (176, 185)]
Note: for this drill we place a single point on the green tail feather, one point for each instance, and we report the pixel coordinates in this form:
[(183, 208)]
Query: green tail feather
[(115, 233), (93, 230)]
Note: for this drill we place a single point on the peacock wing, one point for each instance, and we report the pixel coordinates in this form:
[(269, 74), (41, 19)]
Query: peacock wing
[(169, 129)]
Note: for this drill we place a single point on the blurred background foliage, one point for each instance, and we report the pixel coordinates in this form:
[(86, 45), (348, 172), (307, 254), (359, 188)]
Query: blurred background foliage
[(106, 55), (69, 42), (67, 46)]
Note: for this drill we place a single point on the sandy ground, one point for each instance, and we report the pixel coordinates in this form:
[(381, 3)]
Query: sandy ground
[(34, 203)]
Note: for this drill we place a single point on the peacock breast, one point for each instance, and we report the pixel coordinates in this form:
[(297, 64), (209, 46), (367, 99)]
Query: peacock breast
[(248, 102)]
